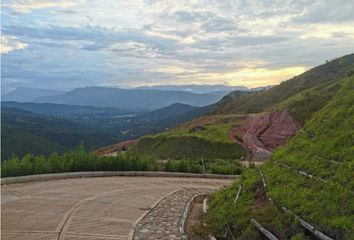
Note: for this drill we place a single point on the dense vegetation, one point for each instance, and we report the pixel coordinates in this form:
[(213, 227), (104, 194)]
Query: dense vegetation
[(46, 128), (329, 72), (24, 132), (78, 161), (67, 111), (312, 176)]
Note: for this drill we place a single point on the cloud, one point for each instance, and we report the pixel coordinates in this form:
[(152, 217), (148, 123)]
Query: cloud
[(9, 43), (338, 11), (142, 42), (26, 6)]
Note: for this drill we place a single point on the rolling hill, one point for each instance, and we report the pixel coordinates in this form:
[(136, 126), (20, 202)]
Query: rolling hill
[(170, 111), (205, 137), (258, 102), (67, 111), (24, 132), (37, 127), (24, 94), (131, 99)]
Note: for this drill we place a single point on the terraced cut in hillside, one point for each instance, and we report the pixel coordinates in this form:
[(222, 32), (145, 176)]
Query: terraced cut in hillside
[(311, 177), (263, 133), (86, 208)]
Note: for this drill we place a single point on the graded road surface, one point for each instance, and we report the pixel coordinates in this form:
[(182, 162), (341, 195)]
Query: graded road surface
[(85, 208)]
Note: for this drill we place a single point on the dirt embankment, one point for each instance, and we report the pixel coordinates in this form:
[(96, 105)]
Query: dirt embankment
[(263, 133), (114, 149)]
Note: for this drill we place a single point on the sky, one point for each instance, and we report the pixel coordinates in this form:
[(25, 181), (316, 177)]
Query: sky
[(60, 44)]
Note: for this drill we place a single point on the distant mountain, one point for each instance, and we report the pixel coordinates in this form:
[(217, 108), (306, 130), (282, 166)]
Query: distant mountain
[(204, 88), (130, 99), (331, 71), (170, 111), (24, 132), (23, 94), (67, 111)]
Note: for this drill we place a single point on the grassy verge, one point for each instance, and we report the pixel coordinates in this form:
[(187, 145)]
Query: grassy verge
[(188, 148), (230, 219)]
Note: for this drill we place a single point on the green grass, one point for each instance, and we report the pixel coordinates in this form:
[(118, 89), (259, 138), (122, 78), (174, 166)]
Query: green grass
[(211, 133), (324, 147), (186, 147), (329, 72), (303, 105), (224, 213), (206, 137)]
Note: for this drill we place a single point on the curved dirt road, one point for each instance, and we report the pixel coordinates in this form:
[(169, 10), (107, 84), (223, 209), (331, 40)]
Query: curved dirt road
[(85, 208)]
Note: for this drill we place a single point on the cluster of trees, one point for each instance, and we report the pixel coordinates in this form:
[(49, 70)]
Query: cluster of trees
[(77, 161)]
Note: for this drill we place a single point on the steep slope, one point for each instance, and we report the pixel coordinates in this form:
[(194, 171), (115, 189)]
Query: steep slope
[(258, 102), (311, 177), (131, 99), (302, 105), (263, 133)]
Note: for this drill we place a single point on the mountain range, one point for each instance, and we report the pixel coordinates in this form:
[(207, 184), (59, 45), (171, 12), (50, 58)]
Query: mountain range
[(25, 94)]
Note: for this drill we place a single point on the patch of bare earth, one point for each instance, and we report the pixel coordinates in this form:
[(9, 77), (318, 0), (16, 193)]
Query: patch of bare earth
[(262, 133), (113, 150)]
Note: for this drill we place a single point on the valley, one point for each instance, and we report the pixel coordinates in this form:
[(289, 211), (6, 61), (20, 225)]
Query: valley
[(177, 120), (291, 144)]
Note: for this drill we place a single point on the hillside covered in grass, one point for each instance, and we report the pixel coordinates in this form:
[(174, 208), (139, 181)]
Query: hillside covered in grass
[(205, 137), (312, 177), (252, 103), (304, 104)]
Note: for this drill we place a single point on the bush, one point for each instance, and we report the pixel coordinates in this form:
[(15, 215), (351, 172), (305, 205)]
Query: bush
[(79, 161)]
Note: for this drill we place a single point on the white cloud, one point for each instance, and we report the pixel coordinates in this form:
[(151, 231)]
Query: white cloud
[(9, 43), (328, 31), (26, 6), (186, 41)]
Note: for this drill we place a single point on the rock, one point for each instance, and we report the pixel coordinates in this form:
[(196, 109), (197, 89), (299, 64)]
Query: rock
[(162, 222), (263, 133)]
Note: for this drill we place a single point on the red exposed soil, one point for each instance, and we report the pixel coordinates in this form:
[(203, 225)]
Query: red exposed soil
[(263, 133), (113, 149)]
